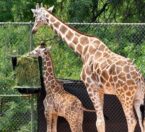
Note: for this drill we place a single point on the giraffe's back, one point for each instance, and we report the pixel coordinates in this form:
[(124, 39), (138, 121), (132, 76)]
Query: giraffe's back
[(116, 72), (63, 103)]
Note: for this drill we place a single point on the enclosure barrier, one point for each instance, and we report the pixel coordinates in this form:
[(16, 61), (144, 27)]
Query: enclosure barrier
[(27, 115), (20, 113)]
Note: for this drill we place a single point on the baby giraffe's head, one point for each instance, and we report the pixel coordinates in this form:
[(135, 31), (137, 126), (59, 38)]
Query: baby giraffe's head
[(40, 51)]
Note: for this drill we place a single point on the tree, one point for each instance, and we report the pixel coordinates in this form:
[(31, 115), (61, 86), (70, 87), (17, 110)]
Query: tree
[(77, 10), (5, 11)]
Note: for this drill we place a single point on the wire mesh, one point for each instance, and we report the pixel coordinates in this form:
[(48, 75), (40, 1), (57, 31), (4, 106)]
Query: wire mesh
[(125, 39), (114, 116), (16, 39), (16, 113)]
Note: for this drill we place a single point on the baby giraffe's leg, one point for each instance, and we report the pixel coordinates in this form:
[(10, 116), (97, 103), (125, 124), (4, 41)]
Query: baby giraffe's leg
[(48, 116), (80, 122), (54, 123), (75, 120), (75, 126)]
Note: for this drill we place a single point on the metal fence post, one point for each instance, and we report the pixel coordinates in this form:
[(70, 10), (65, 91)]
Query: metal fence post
[(32, 97), (31, 36), (32, 113)]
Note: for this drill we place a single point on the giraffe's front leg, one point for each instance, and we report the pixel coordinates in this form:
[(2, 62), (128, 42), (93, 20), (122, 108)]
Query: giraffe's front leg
[(48, 116), (96, 96), (54, 122)]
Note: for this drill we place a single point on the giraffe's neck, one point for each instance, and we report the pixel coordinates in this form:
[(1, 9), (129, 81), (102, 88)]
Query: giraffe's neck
[(84, 45), (73, 39), (50, 80)]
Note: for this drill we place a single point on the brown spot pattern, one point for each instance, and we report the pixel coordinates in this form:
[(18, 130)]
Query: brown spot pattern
[(84, 40), (69, 35), (79, 49), (105, 75), (52, 19), (56, 24), (63, 29), (49, 69), (98, 55), (92, 50), (101, 47), (88, 70), (126, 68), (75, 40), (112, 70)]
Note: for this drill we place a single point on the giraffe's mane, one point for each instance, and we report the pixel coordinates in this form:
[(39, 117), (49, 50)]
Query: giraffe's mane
[(71, 26)]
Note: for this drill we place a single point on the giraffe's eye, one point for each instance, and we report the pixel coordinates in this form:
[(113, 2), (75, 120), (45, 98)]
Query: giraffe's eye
[(37, 52), (35, 14), (45, 53), (47, 20)]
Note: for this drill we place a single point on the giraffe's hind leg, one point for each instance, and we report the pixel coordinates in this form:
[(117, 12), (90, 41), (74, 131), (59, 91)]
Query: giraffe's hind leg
[(137, 105), (76, 122), (127, 106), (80, 121), (75, 126), (130, 118)]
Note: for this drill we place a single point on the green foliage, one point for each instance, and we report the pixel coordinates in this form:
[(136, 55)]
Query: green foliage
[(77, 10), (27, 72), (5, 11), (66, 64), (14, 40), (16, 114), (128, 41)]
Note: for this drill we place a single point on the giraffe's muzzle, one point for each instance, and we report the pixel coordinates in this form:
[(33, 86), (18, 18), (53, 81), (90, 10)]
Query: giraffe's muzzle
[(34, 31)]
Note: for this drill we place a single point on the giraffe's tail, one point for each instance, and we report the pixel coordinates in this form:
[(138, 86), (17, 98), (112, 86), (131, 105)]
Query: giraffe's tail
[(144, 105), (139, 104), (88, 110)]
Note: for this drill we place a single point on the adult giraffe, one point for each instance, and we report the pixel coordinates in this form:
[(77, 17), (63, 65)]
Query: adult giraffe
[(103, 72)]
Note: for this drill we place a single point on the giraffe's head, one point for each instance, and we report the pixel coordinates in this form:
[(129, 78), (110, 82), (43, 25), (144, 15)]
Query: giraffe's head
[(41, 16), (40, 51)]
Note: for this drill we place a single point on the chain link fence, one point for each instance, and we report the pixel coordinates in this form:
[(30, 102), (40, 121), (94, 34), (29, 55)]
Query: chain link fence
[(122, 38), (20, 112)]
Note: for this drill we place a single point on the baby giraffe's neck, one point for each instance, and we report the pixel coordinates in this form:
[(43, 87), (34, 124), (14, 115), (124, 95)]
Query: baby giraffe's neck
[(50, 81)]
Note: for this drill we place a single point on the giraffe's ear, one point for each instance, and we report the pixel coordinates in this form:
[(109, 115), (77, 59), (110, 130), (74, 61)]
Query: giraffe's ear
[(49, 47), (34, 11), (51, 9), (37, 6), (42, 44)]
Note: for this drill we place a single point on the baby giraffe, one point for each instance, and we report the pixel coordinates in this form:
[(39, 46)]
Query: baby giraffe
[(58, 102)]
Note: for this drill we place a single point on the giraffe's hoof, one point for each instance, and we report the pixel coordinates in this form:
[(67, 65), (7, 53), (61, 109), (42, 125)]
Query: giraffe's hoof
[(100, 126)]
